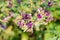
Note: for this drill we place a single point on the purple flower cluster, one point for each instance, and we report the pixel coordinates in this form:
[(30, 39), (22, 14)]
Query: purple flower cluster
[(27, 21), (40, 16), (3, 26), (35, 18)]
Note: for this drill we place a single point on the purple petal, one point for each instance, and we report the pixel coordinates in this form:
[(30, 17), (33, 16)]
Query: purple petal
[(47, 13), (49, 4), (29, 24), (22, 14), (26, 16), (39, 16), (20, 23), (3, 26), (10, 14)]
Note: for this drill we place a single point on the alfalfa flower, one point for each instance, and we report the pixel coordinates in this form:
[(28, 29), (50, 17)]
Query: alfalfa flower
[(47, 13), (29, 24), (39, 16), (10, 14), (21, 23), (3, 25), (25, 16), (49, 4)]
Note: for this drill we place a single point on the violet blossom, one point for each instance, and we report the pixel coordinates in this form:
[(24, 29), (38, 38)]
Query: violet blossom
[(25, 16), (39, 16), (29, 24), (20, 23), (3, 26), (49, 4), (10, 13), (47, 13)]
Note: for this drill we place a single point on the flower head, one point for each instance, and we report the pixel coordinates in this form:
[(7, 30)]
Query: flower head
[(10, 5), (47, 13), (49, 4), (10, 14), (3, 26), (29, 24), (25, 16), (21, 23), (39, 16)]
